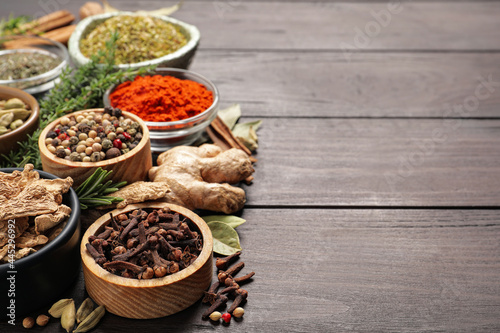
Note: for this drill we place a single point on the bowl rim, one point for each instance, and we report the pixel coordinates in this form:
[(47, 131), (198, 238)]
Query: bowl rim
[(80, 59), (165, 125), (53, 158), (65, 235), (205, 254), (47, 75), (28, 99)]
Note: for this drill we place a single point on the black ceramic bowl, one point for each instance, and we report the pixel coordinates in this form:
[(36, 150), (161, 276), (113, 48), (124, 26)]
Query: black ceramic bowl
[(40, 278)]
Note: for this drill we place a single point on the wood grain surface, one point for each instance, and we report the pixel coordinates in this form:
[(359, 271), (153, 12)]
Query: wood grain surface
[(374, 206)]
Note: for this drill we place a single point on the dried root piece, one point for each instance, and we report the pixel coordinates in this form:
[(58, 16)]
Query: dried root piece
[(48, 221), (30, 240), (139, 192), (200, 177), (21, 225)]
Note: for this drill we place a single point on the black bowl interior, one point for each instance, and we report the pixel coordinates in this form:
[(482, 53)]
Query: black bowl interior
[(38, 279)]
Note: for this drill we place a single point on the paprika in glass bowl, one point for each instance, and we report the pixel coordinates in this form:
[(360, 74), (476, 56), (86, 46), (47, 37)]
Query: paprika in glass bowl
[(176, 105)]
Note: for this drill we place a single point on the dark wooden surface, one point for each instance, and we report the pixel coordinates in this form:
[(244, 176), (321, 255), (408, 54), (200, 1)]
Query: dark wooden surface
[(374, 208)]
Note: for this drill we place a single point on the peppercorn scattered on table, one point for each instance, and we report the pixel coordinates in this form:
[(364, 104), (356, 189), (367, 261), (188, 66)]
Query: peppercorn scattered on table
[(374, 205)]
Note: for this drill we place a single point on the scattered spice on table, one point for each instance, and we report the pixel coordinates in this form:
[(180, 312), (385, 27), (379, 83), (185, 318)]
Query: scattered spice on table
[(23, 65), (145, 244), (159, 98), (93, 137), (230, 284), (142, 38)]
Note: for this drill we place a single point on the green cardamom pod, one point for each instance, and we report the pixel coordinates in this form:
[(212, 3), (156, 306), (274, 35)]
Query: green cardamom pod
[(68, 317), (91, 320), (84, 310), (57, 309), (6, 119), (14, 103)]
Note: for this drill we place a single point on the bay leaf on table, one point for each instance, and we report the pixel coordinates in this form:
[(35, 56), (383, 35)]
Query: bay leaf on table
[(226, 239), (230, 115), (230, 220), (247, 133)]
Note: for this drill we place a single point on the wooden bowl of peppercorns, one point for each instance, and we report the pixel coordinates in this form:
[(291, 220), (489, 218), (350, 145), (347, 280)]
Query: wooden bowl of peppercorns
[(147, 260), (78, 143)]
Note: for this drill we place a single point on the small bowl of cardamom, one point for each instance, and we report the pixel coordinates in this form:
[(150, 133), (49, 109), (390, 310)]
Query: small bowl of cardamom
[(157, 40), (147, 260), (19, 117)]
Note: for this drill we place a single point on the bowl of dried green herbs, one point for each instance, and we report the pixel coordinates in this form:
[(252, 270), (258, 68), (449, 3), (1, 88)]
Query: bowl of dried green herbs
[(31, 63), (143, 40)]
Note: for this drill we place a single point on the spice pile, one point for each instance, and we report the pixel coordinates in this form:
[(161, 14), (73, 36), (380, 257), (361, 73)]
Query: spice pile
[(160, 98), (230, 288), (13, 113), (92, 137), (35, 206), (26, 64), (146, 244), (142, 38)]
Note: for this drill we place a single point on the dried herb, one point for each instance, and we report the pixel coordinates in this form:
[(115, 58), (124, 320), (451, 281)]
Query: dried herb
[(141, 38), (230, 220), (244, 132), (23, 65)]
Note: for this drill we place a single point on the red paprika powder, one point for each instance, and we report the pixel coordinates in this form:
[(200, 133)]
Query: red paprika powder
[(162, 98)]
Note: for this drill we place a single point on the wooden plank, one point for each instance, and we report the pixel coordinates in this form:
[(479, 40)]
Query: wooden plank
[(377, 162), (324, 84), (354, 270), (322, 25)]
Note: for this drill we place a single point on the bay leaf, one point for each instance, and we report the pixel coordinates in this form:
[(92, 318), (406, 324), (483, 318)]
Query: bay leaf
[(226, 239), (230, 220), (247, 133), (230, 115)]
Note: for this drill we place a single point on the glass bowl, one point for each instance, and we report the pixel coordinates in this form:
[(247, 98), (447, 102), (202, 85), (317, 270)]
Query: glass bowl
[(178, 59), (30, 45), (165, 135)]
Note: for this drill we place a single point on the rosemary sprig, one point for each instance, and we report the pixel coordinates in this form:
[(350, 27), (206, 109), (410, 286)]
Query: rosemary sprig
[(93, 192), (78, 89)]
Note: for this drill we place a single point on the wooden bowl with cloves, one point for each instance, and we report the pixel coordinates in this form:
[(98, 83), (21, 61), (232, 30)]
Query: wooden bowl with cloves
[(147, 260)]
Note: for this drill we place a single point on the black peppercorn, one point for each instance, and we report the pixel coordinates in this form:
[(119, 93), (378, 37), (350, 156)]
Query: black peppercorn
[(108, 110), (83, 128), (61, 153), (56, 142), (117, 113), (138, 136), (112, 153), (52, 135), (121, 137)]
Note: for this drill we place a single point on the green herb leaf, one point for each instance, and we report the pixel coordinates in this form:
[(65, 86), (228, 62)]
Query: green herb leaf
[(226, 240), (230, 115), (231, 220)]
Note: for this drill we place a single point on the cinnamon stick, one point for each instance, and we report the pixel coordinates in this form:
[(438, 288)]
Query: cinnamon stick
[(225, 134), (47, 22), (61, 35)]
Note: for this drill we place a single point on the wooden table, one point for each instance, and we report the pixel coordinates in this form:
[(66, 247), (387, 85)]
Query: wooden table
[(376, 194)]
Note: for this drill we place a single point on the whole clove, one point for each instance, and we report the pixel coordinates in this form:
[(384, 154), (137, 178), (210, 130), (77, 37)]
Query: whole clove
[(223, 263), (220, 301), (137, 245)]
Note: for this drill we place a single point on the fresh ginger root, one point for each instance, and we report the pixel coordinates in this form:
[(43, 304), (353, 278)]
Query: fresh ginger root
[(197, 178)]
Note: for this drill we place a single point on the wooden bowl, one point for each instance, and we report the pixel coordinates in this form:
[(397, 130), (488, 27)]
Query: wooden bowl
[(131, 167), (9, 141), (153, 298)]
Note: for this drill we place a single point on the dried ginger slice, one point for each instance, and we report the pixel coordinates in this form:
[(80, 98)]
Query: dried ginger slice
[(140, 191), (11, 184), (30, 240), (3, 252), (47, 221), (40, 197), (21, 225)]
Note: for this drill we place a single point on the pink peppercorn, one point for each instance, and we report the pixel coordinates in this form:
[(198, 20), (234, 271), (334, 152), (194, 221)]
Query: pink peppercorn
[(117, 143)]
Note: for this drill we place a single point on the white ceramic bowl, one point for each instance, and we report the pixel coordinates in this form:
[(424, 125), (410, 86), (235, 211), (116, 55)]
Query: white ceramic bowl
[(178, 59)]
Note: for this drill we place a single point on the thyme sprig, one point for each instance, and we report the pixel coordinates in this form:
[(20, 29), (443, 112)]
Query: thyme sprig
[(94, 191), (78, 89)]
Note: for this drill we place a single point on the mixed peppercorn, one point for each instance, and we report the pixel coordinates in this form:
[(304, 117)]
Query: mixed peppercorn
[(93, 137)]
